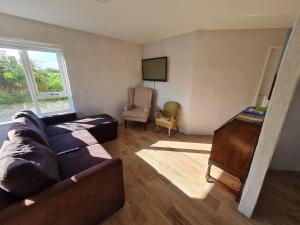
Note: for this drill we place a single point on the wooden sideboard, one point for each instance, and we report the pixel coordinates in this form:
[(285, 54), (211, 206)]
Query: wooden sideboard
[(233, 147)]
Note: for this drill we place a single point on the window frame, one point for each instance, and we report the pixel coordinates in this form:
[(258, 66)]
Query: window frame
[(23, 47)]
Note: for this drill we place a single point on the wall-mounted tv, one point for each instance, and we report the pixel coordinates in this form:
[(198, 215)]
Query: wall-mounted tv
[(155, 69)]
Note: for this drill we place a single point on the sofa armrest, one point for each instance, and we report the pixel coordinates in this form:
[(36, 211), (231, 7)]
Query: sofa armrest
[(61, 118), (128, 107), (85, 198)]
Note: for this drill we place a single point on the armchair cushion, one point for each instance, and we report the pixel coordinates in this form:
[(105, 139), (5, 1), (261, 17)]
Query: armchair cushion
[(128, 107), (136, 113), (142, 97)]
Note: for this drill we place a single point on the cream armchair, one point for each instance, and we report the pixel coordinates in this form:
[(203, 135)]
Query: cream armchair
[(139, 105)]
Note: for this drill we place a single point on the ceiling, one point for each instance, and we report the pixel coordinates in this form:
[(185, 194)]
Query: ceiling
[(143, 21)]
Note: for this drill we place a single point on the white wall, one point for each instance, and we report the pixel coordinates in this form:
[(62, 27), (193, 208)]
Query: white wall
[(285, 91), (181, 53), (100, 69), (213, 74), (287, 153)]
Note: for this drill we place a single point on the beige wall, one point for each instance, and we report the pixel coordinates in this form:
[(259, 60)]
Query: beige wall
[(181, 53), (287, 153), (285, 91), (213, 74), (100, 69)]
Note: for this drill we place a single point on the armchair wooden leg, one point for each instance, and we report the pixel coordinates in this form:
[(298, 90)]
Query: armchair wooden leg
[(125, 123), (169, 132), (145, 125)]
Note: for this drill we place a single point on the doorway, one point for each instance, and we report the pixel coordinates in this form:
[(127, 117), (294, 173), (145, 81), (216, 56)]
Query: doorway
[(268, 77)]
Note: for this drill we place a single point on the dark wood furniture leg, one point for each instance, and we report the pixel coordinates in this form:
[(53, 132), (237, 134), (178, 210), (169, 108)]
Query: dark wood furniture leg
[(211, 179), (125, 123), (208, 172)]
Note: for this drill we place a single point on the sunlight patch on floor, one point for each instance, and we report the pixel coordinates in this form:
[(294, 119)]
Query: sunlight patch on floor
[(182, 145), (180, 166)]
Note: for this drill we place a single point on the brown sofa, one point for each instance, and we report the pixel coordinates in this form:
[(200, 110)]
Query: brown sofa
[(90, 185)]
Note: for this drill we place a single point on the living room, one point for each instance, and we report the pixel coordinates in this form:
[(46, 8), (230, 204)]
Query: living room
[(221, 58)]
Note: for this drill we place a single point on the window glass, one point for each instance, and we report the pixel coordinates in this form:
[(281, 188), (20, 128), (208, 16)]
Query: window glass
[(46, 71), (14, 92), (54, 104), (34, 80)]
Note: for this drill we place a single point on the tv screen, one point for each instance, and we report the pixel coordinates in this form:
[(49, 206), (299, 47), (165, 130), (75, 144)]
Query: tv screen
[(155, 69)]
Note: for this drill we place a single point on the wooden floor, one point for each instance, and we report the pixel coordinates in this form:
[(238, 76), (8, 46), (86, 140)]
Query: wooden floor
[(165, 184)]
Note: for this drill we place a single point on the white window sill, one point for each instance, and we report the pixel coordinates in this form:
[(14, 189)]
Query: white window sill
[(5, 123)]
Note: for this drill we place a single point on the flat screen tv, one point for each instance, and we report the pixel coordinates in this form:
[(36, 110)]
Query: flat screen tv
[(155, 69)]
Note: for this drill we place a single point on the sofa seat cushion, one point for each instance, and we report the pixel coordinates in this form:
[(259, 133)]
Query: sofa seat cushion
[(32, 117), (81, 124), (23, 127), (77, 161), (27, 167), (63, 142)]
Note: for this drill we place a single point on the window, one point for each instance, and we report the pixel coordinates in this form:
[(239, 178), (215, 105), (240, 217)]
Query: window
[(33, 76)]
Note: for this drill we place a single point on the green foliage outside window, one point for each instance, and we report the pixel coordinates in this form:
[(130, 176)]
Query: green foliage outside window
[(13, 85)]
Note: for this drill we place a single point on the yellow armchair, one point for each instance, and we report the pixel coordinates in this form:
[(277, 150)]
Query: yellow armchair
[(168, 117)]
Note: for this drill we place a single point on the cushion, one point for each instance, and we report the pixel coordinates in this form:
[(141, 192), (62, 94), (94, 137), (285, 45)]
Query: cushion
[(27, 167), (75, 162), (23, 127), (136, 113), (80, 138), (142, 97), (32, 117), (81, 124)]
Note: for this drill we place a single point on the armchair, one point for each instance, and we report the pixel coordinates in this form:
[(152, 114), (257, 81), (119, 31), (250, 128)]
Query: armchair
[(139, 105), (168, 117)]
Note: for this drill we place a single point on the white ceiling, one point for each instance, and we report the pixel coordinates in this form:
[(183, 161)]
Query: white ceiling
[(143, 21)]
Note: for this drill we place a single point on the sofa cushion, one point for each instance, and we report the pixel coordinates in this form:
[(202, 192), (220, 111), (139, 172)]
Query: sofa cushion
[(75, 162), (23, 127), (81, 124), (27, 167), (32, 117), (80, 138)]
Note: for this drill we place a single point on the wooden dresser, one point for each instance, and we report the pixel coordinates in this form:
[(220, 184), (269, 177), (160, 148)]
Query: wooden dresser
[(233, 147)]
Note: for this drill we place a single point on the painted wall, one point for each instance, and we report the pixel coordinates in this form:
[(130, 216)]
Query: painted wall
[(287, 153), (281, 112), (181, 54), (213, 74), (100, 69)]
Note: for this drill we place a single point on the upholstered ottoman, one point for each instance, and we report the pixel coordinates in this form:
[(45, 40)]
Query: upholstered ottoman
[(102, 127)]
